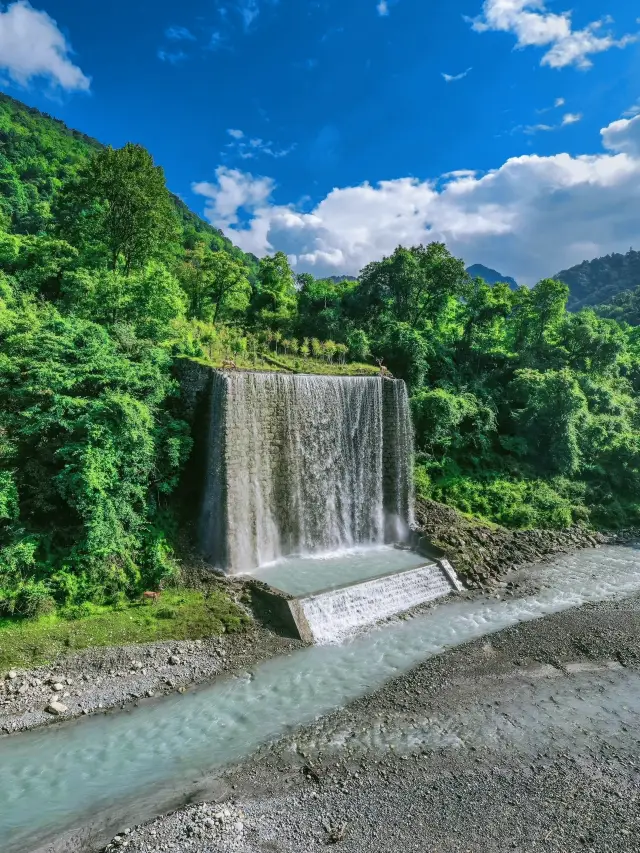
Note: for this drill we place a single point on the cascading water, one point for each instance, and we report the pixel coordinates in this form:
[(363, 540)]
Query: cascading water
[(335, 614), (304, 465)]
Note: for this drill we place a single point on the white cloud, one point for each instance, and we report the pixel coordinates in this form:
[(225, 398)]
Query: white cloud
[(233, 192), (535, 128), (530, 218), (559, 102), (249, 11), (383, 8), (531, 129), (31, 45), (174, 57), (452, 78), (179, 34), (534, 26), (248, 148), (623, 136)]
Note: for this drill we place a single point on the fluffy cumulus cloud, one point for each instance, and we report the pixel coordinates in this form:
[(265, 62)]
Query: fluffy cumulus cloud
[(529, 218), (624, 136), (534, 26), (31, 46)]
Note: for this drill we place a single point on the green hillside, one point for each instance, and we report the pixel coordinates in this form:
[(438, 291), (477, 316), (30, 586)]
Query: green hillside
[(624, 307), (39, 153), (598, 281)]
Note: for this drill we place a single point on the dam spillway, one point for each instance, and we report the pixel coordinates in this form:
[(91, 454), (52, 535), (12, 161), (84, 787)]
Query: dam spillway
[(301, 464)]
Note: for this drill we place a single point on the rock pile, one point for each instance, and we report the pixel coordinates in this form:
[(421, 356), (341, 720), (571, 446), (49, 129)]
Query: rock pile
[(481, 554), (210, 825)]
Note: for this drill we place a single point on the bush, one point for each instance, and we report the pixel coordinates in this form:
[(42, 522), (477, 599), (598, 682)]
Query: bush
[(166, 613), (29, 598), (511, 503)]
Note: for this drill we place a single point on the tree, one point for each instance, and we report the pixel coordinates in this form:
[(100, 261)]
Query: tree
[(213, 281), (413, 285), (551, 411), (316, 348), (358, 345), (329, 348), (118, 208), (538, 315), (448, 423), (405, 352), (273, 301)]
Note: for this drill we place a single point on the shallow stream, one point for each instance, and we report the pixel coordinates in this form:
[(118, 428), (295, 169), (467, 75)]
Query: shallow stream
[(59, 778)]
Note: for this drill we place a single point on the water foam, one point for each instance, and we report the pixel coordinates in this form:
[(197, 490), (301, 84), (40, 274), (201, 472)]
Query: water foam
[(336, 614)]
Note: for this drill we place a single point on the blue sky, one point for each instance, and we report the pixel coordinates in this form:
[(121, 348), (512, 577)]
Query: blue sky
[(328, 129)]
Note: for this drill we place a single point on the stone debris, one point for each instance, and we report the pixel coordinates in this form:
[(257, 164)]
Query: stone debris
[(56, 708), (218, 826)]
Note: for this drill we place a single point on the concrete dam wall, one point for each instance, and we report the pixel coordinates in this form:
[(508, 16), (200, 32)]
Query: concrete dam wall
[(299, 464)]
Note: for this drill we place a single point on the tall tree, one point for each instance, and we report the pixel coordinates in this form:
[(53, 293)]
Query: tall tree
[(413, 284), (118, 207), (274, 298), (213, 281)]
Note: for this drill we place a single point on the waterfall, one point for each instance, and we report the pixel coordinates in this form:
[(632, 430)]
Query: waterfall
[(301, 464)]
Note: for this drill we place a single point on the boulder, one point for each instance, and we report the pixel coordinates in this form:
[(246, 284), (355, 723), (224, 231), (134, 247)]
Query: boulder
[(56, 708)]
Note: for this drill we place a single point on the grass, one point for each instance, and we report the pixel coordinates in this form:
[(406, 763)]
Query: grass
[(180, 615), (295, 364), (298, 364)]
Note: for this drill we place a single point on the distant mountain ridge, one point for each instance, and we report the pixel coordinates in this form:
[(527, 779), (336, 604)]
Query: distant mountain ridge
[(600, 280), (491, 276), (338, 279)]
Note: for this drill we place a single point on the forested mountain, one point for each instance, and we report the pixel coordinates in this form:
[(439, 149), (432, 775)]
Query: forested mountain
[(624, 307), (524, 414), (597, 282), (39, 153), (491, 276)]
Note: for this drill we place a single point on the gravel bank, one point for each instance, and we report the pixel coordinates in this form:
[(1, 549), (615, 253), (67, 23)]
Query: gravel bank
[(525, 742), (101, 679)]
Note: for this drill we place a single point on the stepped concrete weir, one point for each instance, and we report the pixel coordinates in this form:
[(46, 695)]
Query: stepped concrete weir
[(310, 477)]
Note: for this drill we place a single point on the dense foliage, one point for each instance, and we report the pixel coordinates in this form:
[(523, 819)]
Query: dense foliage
[(624, 307), (598, 281), (524, 413)]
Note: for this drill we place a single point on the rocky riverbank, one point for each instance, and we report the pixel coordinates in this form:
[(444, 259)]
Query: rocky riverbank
[(101, 679), (523, 741), (481, 554)]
